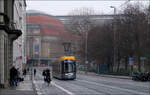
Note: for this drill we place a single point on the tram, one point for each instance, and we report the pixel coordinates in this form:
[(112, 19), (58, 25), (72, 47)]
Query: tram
[(64, 68)]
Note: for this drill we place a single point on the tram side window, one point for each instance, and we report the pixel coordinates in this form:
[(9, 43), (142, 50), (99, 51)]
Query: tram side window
[(62, 67)]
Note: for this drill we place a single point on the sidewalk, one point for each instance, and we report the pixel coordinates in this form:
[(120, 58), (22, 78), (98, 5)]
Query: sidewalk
[(104, 75), (23, 88)]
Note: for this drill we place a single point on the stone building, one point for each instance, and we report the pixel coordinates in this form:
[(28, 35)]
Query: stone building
[(47, 38), (43, 38), (19, 44), (9, 32)]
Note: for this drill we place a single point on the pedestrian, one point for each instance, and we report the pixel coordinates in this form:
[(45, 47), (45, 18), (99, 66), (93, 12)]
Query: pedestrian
[(24, 72), (16, 76), (28, 69), (13, 76), (48, 76), (34, 72), (44, 75)]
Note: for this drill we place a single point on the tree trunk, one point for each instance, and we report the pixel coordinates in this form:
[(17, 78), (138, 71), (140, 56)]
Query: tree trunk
[(126, 63), (118, 66), (139, 64)]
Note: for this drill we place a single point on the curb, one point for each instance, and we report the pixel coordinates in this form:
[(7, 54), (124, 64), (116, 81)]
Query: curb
[(120, 77), (102, 75)]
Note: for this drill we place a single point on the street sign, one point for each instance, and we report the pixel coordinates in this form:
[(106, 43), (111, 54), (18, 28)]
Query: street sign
[(131, 59), (143, 58)]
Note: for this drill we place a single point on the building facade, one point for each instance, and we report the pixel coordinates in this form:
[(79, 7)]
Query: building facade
[(47, 39), (9, 32), (43, 38), (19, 55)]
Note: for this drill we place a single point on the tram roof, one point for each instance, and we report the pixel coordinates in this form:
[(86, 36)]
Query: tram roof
[(67, 58)]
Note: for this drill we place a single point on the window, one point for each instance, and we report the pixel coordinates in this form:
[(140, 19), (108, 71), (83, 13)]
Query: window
[(69, 66)]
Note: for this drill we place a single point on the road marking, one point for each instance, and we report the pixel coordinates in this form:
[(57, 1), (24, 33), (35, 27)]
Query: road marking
[(68, 92), (39, 92), (115, 87)]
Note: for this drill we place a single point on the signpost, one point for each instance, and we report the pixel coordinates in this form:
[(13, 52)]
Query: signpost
[(86, 66), (131, 59), (143, 58)]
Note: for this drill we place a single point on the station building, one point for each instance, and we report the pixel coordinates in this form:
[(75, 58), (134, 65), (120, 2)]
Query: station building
[(47, 39)]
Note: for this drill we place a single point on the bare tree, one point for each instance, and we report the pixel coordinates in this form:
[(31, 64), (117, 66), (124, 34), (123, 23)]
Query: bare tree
[(80, 23), (100, 45), (132, 30)]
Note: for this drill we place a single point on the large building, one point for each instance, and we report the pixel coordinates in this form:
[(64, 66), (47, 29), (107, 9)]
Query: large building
[(47, 38), (19, 44), (10, 30)]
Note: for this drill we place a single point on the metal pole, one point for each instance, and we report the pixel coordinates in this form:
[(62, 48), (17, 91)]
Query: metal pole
[(86, 36), (86, 48), (114, 34)]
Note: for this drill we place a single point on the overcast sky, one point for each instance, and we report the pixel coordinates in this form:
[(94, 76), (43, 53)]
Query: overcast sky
[(64, 7)]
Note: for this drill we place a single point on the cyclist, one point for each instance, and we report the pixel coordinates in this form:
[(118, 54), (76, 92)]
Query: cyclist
[(48, 76)]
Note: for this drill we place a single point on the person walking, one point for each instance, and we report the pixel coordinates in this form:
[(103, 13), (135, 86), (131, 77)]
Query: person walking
[(24, 72), (13, 76), (34, 72), (44, 75)]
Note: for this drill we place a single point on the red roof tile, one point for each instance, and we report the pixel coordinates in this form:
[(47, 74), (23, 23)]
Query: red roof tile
[(49, 25)]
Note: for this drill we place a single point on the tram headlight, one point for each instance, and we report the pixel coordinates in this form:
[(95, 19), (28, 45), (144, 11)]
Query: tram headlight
[(69, 74)]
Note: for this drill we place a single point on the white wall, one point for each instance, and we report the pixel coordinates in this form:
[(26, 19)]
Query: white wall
[(18, 45)]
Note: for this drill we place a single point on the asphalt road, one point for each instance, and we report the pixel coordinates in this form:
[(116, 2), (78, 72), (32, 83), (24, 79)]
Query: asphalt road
[(90, 85)]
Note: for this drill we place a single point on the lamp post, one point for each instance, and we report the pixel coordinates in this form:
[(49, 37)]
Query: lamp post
[(67, 48), (114, 9), (114, 34), (86, 43)]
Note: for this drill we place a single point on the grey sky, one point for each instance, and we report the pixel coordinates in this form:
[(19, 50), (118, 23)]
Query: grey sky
[(64, 7)]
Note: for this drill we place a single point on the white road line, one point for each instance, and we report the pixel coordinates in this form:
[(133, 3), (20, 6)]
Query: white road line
[(68, 92), (39, 92), (136, 92)]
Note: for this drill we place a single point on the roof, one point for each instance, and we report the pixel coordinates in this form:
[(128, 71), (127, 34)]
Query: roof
[(32, 12), (69, 36), (68, 58), (48, 24)]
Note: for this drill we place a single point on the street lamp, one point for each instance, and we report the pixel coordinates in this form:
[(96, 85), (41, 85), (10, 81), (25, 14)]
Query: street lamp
[(67, 48), (114, 34), (114, 9), (86, 43)]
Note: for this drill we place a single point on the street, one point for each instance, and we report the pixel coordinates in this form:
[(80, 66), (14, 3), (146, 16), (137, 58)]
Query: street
[(91, 85)]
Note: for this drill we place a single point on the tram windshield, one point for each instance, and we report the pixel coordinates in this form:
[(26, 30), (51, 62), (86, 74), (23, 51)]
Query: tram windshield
[(69, 66)]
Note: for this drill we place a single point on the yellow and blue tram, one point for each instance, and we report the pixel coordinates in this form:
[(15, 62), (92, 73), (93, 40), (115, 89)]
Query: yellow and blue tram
[(64, 68)]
